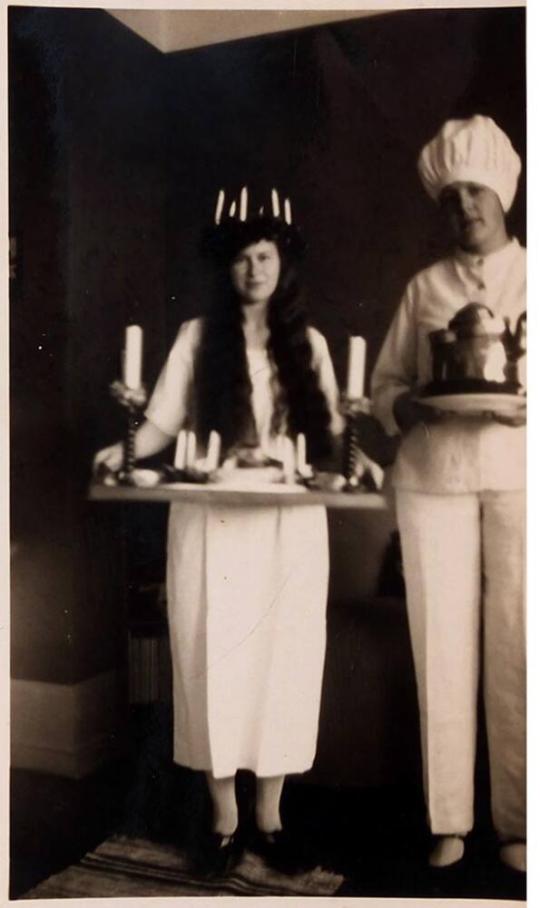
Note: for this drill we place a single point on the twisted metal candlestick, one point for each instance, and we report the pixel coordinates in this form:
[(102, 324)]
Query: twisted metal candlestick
[(126, 476), (133, 401), (350, 448), (353, 407)]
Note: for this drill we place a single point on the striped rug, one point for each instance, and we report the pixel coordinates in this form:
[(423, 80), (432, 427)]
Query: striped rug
[(123, 867)]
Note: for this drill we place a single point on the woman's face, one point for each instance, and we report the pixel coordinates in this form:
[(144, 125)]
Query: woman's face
[(255, 272), (476, 217)]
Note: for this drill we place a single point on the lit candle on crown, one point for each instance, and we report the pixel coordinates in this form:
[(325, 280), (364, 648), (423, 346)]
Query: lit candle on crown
[(133, 357), (275, 203), (213, 451), (356, 368), (232, 209), (219, 206), (243, 203), (181, 450), (287, 212)]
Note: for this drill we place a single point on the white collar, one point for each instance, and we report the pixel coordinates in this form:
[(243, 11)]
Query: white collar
[(497, 258)]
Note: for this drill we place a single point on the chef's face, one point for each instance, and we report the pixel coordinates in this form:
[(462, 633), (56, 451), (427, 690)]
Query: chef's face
[(255, 272), (475, 215)]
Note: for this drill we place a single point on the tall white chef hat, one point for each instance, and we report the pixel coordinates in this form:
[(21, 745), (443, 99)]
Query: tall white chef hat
[(471, 151)]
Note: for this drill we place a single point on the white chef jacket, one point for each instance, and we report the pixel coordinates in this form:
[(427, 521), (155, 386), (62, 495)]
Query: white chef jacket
[(457, 454)]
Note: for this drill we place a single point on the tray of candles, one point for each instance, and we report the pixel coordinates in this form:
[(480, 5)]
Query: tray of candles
[(247, 477)]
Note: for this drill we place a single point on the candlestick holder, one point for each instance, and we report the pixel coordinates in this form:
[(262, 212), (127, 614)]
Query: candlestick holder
[(132, 400), (352, 409)]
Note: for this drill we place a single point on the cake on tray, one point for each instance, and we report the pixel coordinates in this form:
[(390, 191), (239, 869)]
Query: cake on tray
[(246, 468), (250, 468)]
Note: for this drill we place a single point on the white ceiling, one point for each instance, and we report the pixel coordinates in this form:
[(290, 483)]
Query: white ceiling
[(173, 30)]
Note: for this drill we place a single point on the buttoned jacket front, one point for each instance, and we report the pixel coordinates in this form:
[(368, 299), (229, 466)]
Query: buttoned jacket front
[(459, 453)]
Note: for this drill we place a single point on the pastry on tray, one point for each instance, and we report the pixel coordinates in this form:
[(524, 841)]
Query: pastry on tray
[(249, 466), (194, 474), (142, 478)]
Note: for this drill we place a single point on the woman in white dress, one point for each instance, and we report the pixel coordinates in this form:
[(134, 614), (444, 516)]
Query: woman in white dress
[(246, 586)]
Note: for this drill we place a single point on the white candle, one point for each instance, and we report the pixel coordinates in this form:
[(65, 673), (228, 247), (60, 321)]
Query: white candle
[(191, 449), (232, 209), (275, 203), (288, 212), (243, 203), (288, 459), (213, 451), (301, 463), (219, 206), (180, 453), (133, 357), (356, 368)]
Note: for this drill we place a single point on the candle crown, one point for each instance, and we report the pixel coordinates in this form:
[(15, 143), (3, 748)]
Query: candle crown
[(239, 205), (244, 216)]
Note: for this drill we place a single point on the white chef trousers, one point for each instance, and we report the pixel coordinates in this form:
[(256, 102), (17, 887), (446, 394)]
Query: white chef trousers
[(464, 563)]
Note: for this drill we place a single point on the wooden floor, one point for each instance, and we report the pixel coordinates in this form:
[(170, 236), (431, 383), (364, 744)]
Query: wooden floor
[(375, 838)]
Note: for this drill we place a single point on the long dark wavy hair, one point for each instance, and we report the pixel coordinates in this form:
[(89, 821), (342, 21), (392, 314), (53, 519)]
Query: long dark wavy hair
[(222, 385)]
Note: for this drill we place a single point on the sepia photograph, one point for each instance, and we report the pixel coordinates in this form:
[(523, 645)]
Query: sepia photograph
[(267, 452)]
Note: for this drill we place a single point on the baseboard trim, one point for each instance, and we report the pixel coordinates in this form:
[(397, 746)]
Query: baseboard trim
[(65, 729)]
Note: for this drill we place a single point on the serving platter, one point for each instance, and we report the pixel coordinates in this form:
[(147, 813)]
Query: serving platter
[(477, 404)]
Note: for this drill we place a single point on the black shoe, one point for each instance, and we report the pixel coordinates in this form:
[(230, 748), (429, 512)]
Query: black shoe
[(217, 856), (282, 851)]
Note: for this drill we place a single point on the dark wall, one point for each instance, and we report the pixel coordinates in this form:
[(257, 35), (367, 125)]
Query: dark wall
[(117, 153), (87, 192)]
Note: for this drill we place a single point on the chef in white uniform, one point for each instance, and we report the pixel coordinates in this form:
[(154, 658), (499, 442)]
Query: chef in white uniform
[(460, 497), (246, 586)]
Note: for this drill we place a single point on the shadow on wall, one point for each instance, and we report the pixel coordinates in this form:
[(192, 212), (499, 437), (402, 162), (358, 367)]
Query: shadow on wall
[(359, 543)]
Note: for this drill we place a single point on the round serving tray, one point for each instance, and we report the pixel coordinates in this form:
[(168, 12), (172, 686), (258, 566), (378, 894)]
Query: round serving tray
[(477, 404)]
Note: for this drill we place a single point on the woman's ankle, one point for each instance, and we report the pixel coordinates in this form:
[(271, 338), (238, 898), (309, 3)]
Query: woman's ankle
[(267, 805), (514, 855), (225, 808)]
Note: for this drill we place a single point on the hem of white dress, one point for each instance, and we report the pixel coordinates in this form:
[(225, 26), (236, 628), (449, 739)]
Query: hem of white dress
[(261, 773)]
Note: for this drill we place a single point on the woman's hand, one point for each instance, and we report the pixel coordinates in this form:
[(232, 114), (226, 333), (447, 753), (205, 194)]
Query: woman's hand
[(409, 411), (353, 407), (149, 440), (110, 458)]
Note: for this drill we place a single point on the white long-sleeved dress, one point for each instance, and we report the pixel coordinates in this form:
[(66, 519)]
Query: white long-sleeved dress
[(247, 589)]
